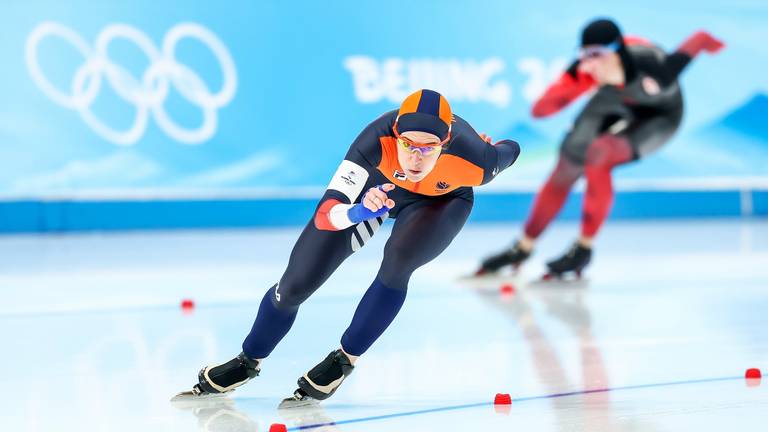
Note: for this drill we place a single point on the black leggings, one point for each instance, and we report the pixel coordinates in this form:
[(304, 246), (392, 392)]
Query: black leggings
[(646, 129), (424, 227)]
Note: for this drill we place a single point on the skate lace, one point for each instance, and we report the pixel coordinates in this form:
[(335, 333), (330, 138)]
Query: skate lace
[(252, 367)]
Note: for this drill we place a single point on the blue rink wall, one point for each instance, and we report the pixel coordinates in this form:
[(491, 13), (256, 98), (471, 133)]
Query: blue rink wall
[(90, 107), (162, 115), (62, 215)]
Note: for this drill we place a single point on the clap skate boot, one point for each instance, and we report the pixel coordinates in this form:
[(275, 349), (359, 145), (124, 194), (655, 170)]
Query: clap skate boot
[(513, 256), (574, 262), (223, 378), (321, 382)]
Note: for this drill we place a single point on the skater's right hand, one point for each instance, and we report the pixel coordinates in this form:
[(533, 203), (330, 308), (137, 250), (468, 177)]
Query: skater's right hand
[(375, 203), (376, 197)]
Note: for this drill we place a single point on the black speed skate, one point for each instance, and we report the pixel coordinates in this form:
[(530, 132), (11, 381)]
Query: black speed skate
[(223, 378), (321, 382), (513, 256), (574, 261)]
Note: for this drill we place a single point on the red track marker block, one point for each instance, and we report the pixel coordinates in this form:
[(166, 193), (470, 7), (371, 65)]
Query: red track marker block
[(502, 399), (753, 373), (187, 306), (507, 289), (277, 427)]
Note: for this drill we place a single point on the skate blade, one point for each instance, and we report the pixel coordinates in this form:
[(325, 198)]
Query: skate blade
[(484, 276), (292, 403), (190, 396)]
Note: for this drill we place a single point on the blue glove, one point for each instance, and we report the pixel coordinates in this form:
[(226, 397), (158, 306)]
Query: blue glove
[(358, 212)]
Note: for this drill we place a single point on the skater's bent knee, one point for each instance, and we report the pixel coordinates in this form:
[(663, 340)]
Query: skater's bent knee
[(291, 293), (607, 151), (598, 152), (398, 264)]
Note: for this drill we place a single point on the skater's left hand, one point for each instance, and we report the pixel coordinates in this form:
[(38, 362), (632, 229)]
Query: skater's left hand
[(486, 138), (701, 41), (711, 44)]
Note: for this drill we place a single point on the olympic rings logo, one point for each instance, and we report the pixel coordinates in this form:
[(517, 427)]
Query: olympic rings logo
[(147, 93)]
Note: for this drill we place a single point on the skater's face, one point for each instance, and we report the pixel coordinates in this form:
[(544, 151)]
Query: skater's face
[(418, 162), (604, 66)]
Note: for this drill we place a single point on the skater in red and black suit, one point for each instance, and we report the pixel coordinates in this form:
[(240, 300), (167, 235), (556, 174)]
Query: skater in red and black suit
[(635, 108), (416, 165)]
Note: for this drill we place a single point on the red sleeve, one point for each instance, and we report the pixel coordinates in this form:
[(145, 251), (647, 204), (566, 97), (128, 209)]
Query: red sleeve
[(561, 93), (698, 42), (636, 40), (322, 219)]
